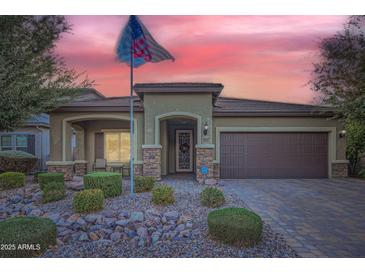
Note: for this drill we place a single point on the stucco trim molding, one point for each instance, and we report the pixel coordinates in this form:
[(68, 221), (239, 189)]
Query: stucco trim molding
[(205, 146), (151, 146), (331, 138), (195, 116), (80, 162), (340, 161), (96, 117), (59, 163)]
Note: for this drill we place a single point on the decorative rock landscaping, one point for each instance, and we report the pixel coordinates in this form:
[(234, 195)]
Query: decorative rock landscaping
[(131, 226)]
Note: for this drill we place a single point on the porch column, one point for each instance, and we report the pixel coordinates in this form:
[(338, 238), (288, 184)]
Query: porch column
[(152, 161), (80, 160), (204, 157)]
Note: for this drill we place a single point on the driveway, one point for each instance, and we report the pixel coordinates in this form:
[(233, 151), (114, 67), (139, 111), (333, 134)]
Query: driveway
[(319, 218)]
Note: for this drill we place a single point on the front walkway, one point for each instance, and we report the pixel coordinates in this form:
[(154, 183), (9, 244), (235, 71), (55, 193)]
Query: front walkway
[(318, 218)]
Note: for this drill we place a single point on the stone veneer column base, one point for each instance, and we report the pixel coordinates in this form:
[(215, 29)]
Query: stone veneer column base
[(67, 168), (80, 167), (339, 170), (204, 157), (216, 171), (138, 169), (152, 161)]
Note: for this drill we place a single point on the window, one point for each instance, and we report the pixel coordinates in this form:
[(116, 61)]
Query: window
[(21, 143), (6, 143), (117, 146)]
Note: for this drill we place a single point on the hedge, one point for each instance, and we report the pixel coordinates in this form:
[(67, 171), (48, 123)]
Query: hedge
[(163, 195), (26, 236), (212, 197), (235, 226), (144, 183), (109, 182), (88, 200), (52, 186), (46, 177), (35, 176), (9, 180), (17, 161)]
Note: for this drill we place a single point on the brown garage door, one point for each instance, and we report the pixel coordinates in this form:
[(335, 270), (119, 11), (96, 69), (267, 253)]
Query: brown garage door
[(274, 155)]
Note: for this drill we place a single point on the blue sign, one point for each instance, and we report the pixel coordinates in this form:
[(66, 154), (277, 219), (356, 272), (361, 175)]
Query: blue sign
[(204, 170)]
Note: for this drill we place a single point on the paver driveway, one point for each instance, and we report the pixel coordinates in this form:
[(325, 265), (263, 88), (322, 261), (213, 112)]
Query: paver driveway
[(319, 218)]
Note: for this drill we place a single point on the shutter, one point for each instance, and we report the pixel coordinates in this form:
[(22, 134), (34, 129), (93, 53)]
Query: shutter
[(99, 145), (31, 144)]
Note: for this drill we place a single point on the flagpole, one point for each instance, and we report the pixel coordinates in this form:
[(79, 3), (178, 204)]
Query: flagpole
[(131, 172)]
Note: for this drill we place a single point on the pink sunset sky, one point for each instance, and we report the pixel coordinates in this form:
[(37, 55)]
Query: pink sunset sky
[(254, 57)]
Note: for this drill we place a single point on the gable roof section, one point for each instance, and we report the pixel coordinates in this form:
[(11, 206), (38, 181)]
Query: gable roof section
[(105, 104), (245, 107)]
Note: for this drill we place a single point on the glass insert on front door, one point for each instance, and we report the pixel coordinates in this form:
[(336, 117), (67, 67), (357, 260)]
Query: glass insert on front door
[(184, 150)]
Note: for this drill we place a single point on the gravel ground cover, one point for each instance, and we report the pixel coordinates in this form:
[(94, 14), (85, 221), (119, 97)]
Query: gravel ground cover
[(130, 226)]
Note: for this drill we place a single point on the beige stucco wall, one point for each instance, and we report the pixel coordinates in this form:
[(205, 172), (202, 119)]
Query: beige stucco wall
[(283, 122), (158, 104), (56, 133)]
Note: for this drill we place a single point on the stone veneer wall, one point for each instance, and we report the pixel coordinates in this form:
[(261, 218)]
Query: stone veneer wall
[(67, 170), (216, 171), (204, 157), (138, 169), (339, 170), (80, 169), (152, 162)]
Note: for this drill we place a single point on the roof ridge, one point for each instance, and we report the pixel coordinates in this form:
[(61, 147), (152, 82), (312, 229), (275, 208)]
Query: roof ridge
[(268, 101)]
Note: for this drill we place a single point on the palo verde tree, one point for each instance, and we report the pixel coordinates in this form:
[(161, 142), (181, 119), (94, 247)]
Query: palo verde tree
[(339, 79), (33, 78)]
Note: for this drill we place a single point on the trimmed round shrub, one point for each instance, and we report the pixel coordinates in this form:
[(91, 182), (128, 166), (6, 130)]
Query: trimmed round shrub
[(17, 161), (26, 236), (53, 191), (109, 182), (52, 186), (88, 200), (235, 226), (212, 197), (9, 180), (144, 183), (163, 195)]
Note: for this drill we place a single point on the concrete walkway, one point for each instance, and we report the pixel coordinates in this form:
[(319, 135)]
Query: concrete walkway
[(318, 218)]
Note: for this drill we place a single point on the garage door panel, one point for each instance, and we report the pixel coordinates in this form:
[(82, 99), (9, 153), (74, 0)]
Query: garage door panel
[(274, 155)]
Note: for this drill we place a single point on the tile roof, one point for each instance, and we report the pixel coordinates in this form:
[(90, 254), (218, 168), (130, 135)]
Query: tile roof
[(233, 106)]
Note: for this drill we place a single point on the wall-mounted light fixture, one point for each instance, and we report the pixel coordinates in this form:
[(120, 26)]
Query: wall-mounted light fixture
[(342, 133), (205, 131)]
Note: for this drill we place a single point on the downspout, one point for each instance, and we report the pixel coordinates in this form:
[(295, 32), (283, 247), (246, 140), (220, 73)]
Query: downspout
[(41, 159)]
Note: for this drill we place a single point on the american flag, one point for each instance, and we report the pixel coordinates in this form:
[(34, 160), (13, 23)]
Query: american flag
[(136, 39)]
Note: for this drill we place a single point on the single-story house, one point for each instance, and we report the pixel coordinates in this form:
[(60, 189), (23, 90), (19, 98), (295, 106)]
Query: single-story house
[(182, 127), (32, 137)]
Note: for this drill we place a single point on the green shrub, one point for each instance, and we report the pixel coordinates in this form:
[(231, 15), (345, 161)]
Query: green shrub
[(46, 177), (88, 200), (17, 161), (163, 195), (144, 183), (18, 232), (9, 180), (35, 176), (235, 226), (212, 197), (109, 182), (53, 191)]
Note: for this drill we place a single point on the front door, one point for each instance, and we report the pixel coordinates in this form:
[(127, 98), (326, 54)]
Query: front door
[(184, 150)]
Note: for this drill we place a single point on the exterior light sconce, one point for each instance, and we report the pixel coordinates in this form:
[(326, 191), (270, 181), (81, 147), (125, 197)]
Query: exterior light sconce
[(205, 131), (342, 133)]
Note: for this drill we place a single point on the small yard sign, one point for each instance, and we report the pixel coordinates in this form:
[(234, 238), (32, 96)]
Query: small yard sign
[(204, 170)]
